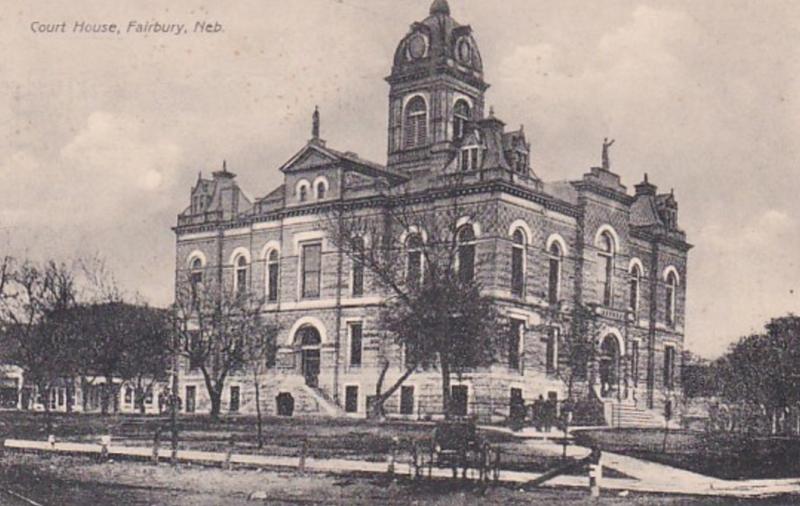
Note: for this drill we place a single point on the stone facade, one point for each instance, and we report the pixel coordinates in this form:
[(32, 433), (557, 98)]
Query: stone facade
[(588, 242)]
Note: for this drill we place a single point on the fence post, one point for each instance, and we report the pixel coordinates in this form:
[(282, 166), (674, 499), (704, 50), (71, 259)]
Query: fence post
[(596, 473), (156, 445), (303, 452), (105, 442), (51, 440), (229, 454), (392, 455), (496, 470)]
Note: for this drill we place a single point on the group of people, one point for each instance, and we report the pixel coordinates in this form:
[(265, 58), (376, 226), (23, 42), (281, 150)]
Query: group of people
[(543, 413)]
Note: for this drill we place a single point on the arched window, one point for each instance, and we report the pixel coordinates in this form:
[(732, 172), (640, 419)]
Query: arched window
[(320, 190), (358, 266), (635, 283), (308, 335), (273, 268), (415, 129), (461, 116), (466, 254), (606, 258), (414, 260), (518, 263), (554, 273), (302, 193), (196, 278), (240, 276), (672, 289)]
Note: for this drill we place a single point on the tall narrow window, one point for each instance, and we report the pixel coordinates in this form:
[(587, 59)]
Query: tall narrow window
[(358, 266), (635, 362), (196, 279), (606, 259), (320, 190), (351, 399), (414, 260), (273, 266), (635, 283), (356, 340), (466, 254), (554, 273), (551, 350), (669, 367), (407, 400), (672, 284), (518, 264), (303, 193), (415, 129), (240, 276), (312, 267), (515, 344), (461, 116)]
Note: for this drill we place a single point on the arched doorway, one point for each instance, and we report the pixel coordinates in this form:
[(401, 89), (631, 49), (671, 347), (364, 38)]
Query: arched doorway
[(609, 366), (309, 340)]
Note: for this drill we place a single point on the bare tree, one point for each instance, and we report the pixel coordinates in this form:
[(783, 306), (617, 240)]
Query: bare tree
[(424, 261), (31, 298), (213, 325), (260, 351)]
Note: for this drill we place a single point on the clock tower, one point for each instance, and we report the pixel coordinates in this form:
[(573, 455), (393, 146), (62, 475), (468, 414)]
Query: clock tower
[(436, 92)]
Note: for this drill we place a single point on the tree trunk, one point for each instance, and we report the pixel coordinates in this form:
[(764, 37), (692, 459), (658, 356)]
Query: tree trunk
[(258, 410), (445, 366), (377, 410), (216, 402)]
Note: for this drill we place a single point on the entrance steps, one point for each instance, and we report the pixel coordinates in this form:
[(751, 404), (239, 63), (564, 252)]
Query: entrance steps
[(308, 401), (626, 414)]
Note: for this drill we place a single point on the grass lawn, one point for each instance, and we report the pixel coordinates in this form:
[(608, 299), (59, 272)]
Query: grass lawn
[(70, 481), (723, 456), (327, 438)]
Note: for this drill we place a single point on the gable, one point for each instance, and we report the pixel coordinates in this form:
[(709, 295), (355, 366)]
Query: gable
[(308, 158)]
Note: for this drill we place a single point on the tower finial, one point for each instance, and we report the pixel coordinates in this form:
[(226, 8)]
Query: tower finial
[(646, 178), (315, 123), (224, 165), (440, 7)]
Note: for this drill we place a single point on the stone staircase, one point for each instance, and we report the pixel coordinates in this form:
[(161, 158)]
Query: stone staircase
[(626, 414), (308, 401)]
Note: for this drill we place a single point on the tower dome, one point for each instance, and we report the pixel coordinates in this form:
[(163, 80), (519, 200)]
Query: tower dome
[(440, 7)]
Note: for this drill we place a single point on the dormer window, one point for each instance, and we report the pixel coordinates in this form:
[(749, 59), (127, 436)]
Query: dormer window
[(461, 116), (302, 190), (521, 165), (469, 158), (415, 128)]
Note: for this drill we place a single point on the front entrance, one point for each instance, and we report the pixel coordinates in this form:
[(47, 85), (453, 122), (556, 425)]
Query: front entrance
[(285, 403), (309, 340), (609, 367), (311, 367)]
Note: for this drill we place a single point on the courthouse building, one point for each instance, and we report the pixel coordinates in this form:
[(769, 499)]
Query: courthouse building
[(549, 248)]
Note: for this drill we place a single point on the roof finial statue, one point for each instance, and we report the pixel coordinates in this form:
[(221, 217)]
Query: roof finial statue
[(315, 123), (646, 178), (224, 166), (606, 145), (440, 7)]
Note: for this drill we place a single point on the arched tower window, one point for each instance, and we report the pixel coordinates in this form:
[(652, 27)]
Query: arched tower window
[(196, 278), (635, 284), (518, 263), (466, 253), (554, 273), (273, 269), (415, 127), (414, 260), (240, 275), (461, 116), (320, 190), (606, 257), (672, 289)]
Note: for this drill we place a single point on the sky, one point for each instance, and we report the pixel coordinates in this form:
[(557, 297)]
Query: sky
[(102, 135)]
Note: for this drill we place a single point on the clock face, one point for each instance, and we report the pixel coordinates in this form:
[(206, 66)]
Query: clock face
[(417, 46), (464, 51)]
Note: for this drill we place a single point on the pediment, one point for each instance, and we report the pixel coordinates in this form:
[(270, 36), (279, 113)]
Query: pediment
[(308, 158)]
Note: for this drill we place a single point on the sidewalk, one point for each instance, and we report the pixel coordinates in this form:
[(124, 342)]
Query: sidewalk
[(647, 477), (654, 477)]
